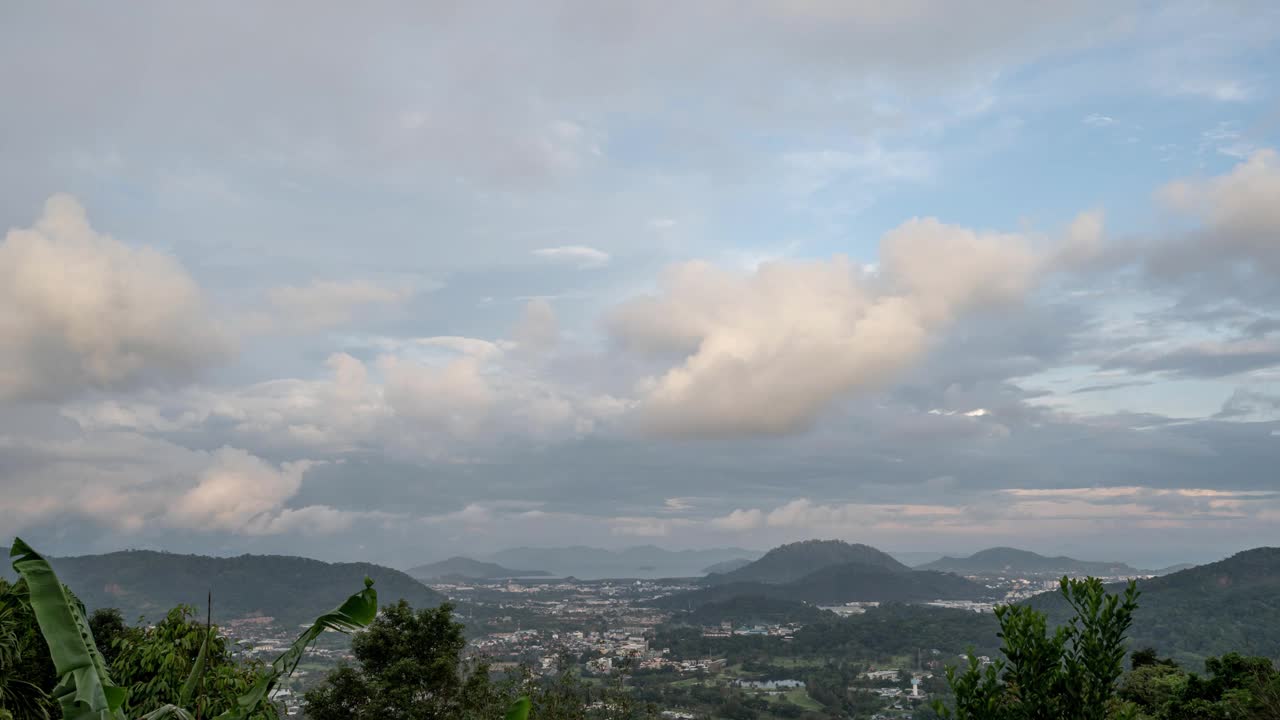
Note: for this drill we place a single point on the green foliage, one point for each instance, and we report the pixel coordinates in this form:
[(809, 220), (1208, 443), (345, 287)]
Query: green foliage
[(1070, 674), (793, 561), (26, 673), (1210, 610), (836, 584), (1236, 688), (409, 665), (155, 662), (143, 583), (754, 609), (84, 690), (109, 630)]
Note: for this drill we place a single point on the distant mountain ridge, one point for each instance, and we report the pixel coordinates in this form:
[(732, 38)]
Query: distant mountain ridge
[(642, 561), (466, 568), (827, 572), (726, 566), (793, 561), (837, 585), (145, 583), (1007, 560)]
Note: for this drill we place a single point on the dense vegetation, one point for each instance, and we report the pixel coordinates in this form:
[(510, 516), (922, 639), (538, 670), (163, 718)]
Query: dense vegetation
[(753, 610), (1077, 671), (882, 633), (1229, 606), (839, 584), (150, 584), (410, 666), (85, 690), (787, 563)]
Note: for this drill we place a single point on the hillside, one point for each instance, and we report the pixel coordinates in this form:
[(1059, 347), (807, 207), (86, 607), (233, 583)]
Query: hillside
[(787, 563), (726, 566), (1232, 604), (466, 568), (754, 610), (1012, 561), (835, 585), (839, 584), (289, 589), (592, 563), (1173, 569)]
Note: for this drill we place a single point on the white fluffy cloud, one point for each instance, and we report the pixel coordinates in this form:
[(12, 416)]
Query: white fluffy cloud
[(538, 330), (1240, 213), (80, 309), (130, 483), (767, 352), (238, 492)]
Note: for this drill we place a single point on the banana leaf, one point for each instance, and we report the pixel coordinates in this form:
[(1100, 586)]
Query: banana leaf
[(84, 690), (519, 709), (358, 611)]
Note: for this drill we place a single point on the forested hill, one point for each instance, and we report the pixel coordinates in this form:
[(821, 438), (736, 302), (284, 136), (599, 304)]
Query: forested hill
[(1007, 560), (290, 589), (727, 566), (1229, 605), (787, 563), (838, 584), (461, 567)]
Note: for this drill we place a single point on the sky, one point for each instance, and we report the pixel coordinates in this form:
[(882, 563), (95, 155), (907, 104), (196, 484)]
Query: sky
[(431, 278)]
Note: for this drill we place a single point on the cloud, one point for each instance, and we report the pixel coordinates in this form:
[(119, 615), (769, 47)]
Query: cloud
[(1205, 359), (580, 255), (79, 309), (131, 484), (454, 398), (538, 329), (237, 492), (1251, 405), (325, 304), (817, 519), (1240, 215), (740, 520), (1096, 120), (769, 351)]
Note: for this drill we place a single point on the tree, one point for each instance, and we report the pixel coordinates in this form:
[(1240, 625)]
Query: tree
[(84, 689), (1236, 688), (26, 673), (409, 666), (1069, 675), (153, 663), (109, 631)]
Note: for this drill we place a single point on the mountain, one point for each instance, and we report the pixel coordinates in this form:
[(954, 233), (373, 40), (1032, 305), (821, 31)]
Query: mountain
[(1012, 561), (291, 590), (914, 558), (839, 584), (646, 561), (726, 566), (1229, 605), (466, 568), (836, 585), (793, 561), (1173, 569)]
